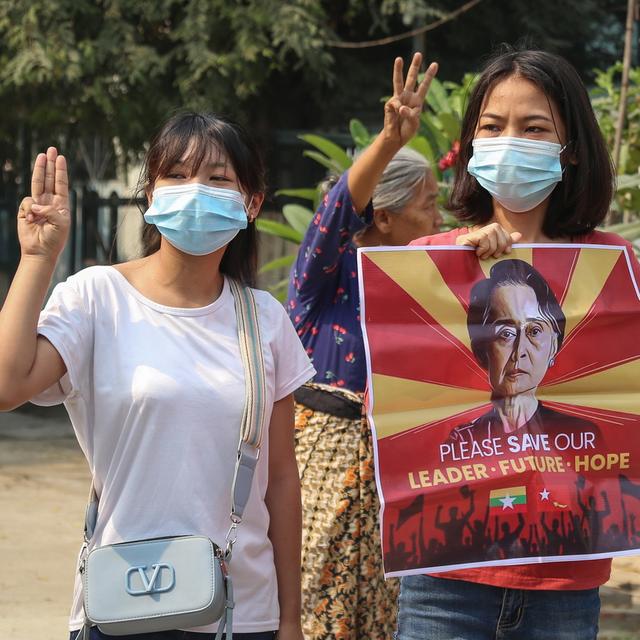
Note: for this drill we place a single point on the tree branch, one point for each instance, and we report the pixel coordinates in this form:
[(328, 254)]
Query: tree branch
[(408, 34)]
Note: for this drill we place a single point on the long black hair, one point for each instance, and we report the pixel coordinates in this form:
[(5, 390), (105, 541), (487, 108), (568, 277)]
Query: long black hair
[(199, 132)]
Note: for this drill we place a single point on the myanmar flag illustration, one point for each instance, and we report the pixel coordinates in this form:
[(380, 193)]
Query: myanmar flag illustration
[(511, 500)]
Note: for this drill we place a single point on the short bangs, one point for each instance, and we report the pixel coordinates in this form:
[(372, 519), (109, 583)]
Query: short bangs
[(201, 135)]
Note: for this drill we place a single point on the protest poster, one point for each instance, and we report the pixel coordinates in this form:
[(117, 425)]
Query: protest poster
[(504, 400)]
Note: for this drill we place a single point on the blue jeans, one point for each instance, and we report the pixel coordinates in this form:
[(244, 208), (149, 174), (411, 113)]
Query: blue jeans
[(444, 609), (96, 634)]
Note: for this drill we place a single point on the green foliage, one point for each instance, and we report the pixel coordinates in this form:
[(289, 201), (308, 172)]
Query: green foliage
[(312, 195), (412, 11), (361, 137), (116, 66), (284, 231), (78, 69), (298, 217), (332, 153), (279, 263), (605, 98), (72, 69)]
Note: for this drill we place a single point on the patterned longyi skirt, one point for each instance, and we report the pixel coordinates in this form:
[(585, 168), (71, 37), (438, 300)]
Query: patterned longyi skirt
[(344, 593)]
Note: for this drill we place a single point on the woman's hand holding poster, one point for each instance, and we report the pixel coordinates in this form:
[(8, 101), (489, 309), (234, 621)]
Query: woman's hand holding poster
[(504, 398)]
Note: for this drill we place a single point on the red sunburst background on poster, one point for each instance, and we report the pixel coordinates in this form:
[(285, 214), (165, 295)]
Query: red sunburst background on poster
[(425, 381)]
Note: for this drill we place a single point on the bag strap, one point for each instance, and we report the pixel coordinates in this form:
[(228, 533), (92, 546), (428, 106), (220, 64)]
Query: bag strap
[(253, 417), (253, 362)]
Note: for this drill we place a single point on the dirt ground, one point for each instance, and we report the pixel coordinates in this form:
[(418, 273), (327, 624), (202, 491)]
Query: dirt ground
[(44, 483), (43, 488)]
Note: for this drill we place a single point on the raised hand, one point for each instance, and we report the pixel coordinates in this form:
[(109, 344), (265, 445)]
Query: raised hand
[(43, 218), (402, 111)]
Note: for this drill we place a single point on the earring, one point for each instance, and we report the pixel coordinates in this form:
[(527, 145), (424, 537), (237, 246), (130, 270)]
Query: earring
[(250, 214), (552, 362)]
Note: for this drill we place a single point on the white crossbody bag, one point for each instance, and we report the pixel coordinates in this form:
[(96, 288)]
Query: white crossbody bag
[(180, 582)]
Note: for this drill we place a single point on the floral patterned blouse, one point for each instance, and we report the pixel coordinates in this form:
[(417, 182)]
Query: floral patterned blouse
[(323, 300)]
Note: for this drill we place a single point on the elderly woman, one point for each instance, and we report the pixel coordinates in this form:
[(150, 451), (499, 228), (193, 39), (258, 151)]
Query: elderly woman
[(516, 326), (388, 197)]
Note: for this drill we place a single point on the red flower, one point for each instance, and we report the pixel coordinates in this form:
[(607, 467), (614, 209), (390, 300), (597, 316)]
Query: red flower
[(450, 158)]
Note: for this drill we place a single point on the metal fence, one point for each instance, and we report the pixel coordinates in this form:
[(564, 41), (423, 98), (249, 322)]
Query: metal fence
[(92, 237)]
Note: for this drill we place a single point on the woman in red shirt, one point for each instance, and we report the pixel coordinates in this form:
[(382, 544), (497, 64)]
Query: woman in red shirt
[(533, 167)]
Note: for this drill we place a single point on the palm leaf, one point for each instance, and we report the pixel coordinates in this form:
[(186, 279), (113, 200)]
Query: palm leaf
[(279, 230), (304, 194), (297, 216), (278, 263), (359, 133), (325, 161), (330, 149), (437, 97)]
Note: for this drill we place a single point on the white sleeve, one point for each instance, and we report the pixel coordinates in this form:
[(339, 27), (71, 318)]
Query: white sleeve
[(293, 367), (66, 323)]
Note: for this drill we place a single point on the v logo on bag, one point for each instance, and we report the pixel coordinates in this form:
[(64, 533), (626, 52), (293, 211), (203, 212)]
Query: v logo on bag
[(149, 586)]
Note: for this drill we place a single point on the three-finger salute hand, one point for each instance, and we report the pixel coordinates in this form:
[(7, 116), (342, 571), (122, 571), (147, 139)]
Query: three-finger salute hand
[(402, 111), (44, 219), (491, 241)]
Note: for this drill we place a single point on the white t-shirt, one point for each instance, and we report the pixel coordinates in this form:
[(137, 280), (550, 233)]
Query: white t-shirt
[(155, 395)]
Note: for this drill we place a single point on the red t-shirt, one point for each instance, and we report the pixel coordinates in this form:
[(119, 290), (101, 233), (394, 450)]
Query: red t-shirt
[(585, 574)]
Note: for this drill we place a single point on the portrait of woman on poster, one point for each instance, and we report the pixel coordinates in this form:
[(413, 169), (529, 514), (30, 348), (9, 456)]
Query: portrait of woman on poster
[(516, 326)]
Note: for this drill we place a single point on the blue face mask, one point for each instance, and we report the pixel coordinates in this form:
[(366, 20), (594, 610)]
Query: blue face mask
[(196, 218), (517, 172)]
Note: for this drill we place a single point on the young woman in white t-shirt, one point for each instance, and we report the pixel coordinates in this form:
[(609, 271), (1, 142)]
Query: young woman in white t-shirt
[(145, 357)]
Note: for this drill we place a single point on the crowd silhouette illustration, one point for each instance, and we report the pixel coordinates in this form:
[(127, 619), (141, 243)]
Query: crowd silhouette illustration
[(456, 538)]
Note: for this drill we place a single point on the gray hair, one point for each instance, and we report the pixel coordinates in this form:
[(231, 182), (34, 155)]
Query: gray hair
[(400, 180)]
